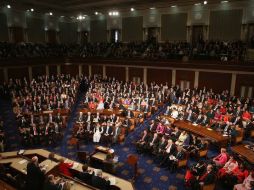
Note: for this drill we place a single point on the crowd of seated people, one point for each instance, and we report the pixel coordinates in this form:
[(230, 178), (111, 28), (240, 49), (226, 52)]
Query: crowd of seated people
[(228, 170), (112, 108), (41, 106), (219, 50), (228, 115)]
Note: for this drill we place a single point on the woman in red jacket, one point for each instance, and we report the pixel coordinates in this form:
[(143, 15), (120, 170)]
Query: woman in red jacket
[(64, 168)]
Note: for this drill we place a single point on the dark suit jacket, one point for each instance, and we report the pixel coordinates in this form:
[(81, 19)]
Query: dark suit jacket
[(85, 177), (100, 183), (209, 179), (50, 186), (35, 177)]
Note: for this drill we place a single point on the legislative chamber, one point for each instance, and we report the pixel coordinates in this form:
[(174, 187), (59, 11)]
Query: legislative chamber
[(124, 95)]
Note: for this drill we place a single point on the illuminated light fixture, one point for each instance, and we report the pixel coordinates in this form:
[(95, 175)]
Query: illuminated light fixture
[(96, 13), (196, 4), (152, 8), (205, 2), (224, 1), (8, 6), (80, 17), (50, 13), (173, 6), (132, 9), (113, 13), (32, 10), (62, 16)]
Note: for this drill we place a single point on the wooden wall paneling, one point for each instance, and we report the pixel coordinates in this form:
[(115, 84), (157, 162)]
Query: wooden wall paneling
[(1, 75), (52, 70), (85, 70), (70, 69), (135, 72), (97, 69), (117, 72), (160, 76), (243, 80), (18, 73), (183, 75), (217, 81), (52, 36), (38, 71), (17, 34)]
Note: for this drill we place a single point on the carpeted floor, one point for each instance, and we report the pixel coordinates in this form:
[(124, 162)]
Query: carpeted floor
[(151, 177)]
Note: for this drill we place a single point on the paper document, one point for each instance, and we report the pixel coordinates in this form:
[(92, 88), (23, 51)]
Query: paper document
[(22, 161), (112, 180), (75, 165)]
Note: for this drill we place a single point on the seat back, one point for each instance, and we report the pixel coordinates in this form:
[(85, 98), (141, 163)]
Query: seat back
[(203, 153), (132, 159), (209, 187), (82, 156), (252, 133), (182, 163)]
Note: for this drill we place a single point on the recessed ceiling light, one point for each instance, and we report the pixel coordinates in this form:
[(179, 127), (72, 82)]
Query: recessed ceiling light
[(132, 9), (173, 5), (96, 13), (152, 8), (205, 2), (50, 13), (196, 4), (62, 16), (32, 10), (8, 6), (224, 1)]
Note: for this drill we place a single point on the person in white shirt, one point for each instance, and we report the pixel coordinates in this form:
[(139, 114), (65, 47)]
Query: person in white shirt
[(97, 133), (174, 113)]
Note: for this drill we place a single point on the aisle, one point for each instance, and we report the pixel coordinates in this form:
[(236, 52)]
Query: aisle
[(10, 125)]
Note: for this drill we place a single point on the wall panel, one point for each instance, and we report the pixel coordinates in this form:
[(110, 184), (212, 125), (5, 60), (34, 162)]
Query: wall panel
[(38, 71), (68, 32), (159, 76), (117, 72), (52, 70), (4, 28), (132, 29), (1, 75), (217, 81), (185, 76), (97, 69), (69, 69), (35, 29), (136, 72), (98, 31), (243, 80), (85, 70), (173, 27), (18, 73), (225, 25)]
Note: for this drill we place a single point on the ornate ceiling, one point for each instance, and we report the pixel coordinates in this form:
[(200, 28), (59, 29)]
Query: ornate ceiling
[(88, 6)]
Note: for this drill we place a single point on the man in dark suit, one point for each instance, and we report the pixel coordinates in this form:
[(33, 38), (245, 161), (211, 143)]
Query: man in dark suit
[(99, 182), (174, 158), (35, 176), (208, 177), (107, 133), (51, 183), (85, 176), (170, 149)]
